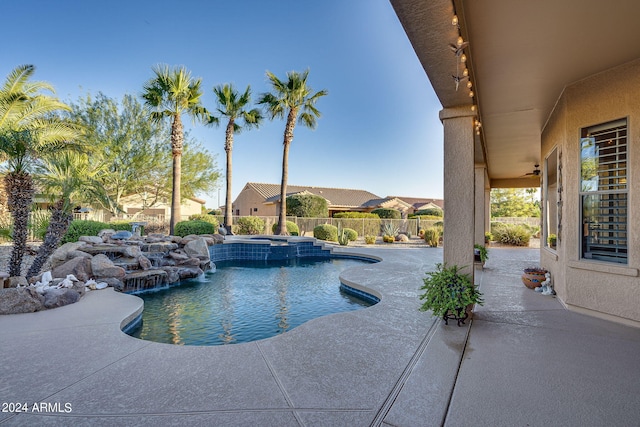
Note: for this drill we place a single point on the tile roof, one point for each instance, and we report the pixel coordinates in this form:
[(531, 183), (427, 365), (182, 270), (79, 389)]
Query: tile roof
[(419, 202), (343, 197)]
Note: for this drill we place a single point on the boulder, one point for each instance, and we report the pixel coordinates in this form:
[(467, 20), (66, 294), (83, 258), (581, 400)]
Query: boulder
[(173, 274), (132, 251), (217, 239), (103, 267), (116, 284), (179, 255), (198, 248), (54, 297), (79, 267), (91, 239), (16, 281), (190, 262), (61, 255), (20, 300), (402, 238), (121, 235), (79, 254), (144, 262)]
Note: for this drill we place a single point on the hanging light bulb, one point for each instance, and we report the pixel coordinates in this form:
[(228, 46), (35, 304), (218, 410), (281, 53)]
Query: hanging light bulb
[(465, 73), (454, 21), (463, 58), (470, 94), (469, 84), (460, 41), (473, 108)]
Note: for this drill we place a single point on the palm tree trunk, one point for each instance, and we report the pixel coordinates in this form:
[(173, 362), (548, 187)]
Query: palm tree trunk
[(19, 188), (58, 226), (177, 139), (228, 147), (288, 138)]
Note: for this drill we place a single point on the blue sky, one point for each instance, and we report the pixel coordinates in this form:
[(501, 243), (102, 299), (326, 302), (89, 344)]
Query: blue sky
[(379, 129)]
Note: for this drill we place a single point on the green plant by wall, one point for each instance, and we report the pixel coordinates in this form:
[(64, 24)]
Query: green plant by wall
[(206, 218), (185, 228), (120, 225), (387, 213), (292, 228), (369, 239), (436, 212), (511, 234), (482, 252), (249, 225), (354, 220), (326, 232), (352, 234), (448, 290), (390, 229), (552, 240), (350, 214), (431, 236)]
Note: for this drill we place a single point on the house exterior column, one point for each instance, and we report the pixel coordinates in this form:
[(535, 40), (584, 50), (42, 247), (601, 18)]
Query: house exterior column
[(480, 203), (459, 187)]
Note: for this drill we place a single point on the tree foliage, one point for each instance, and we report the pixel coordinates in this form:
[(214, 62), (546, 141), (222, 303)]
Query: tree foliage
[(514, 202), (307, 205)]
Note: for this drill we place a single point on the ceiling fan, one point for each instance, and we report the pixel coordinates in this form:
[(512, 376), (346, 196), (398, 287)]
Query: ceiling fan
[(535, 172)]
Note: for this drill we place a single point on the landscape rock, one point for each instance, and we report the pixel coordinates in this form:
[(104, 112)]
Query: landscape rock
[(132, 251), (61, 255), (121, 235), (198, 248), (190, 262), (91, 239), (80, 267), (116, 284), (18, 281), (20, 300), (103, 267), (144, 262), (54, 297)]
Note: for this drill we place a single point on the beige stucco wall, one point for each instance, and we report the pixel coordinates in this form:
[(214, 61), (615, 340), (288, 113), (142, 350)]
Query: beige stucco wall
[(600, 288), (248, 200)]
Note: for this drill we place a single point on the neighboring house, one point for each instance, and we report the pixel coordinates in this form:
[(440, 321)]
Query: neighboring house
[(420, 204), (542, 94), (264, 200)]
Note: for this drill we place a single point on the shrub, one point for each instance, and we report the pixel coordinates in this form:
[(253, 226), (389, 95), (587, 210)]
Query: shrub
[(425, 217), (249, 225), (215, 212), (206, 218), (326, 232), (184, 228), (352, 234), (38, 223), (437, 212), (120, 225), (365, 222), (307, 205), (79, 228), (292, 228), (349, 214), (369, 239), (390, 229), (387, 213), (431, 236), (511, 234)]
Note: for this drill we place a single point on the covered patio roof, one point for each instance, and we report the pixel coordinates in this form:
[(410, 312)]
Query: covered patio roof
[(521, 55)]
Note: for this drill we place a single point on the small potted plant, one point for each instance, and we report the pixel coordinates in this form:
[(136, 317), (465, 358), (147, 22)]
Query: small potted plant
[(480, 253), (552, 240), (448, 293)]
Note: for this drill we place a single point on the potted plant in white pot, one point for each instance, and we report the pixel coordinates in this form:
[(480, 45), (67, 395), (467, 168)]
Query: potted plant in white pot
[(448, 293)]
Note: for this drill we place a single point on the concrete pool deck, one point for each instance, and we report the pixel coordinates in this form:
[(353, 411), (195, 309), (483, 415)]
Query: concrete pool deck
[(522, 360)]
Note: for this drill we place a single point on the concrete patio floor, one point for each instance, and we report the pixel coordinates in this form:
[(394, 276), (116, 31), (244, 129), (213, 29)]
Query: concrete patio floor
[(522, 360)]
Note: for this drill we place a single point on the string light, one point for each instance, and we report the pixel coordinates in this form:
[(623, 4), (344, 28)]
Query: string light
[(454, 21)]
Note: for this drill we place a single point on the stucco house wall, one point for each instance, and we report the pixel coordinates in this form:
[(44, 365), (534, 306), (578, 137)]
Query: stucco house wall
[(605, 289), (250, 202)]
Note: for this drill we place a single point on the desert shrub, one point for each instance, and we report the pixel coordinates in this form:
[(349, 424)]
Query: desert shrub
[(437, 212), (206, 218), (184, 228), (215, 212), (308, 206), (79, 228), (387, 213), (511, 234), (369, 239), (390, 229), (439, 224), (38, 223), (425, 217), (431, 236), (292, 228), (350, 214), (352, 234), (249, 225), (326, 232)]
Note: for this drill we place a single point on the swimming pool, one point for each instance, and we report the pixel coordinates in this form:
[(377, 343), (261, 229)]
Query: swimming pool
[(248, 300)]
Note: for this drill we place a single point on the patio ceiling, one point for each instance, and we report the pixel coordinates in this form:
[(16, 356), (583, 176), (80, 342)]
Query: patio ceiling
[(521, 56)]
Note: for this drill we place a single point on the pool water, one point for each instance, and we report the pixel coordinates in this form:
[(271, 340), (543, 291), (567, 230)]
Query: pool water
[(243, 301)]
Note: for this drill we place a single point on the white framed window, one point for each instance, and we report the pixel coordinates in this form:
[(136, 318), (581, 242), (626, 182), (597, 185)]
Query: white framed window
[(604, 191)]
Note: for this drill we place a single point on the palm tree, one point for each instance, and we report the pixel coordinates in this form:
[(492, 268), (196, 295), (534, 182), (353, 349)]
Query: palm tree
[(28, 129), (294, 99), (232, 105), (170, 93), (68, 179)]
